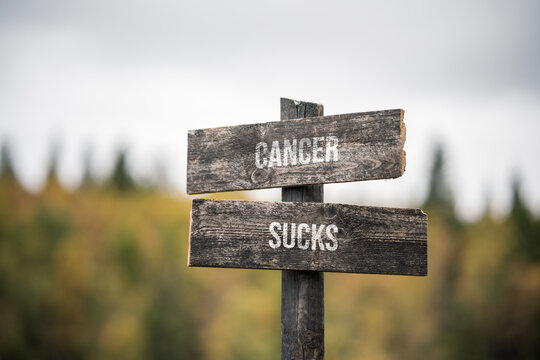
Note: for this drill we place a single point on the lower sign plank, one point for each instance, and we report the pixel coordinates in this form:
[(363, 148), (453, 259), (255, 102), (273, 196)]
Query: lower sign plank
[(308, 236)]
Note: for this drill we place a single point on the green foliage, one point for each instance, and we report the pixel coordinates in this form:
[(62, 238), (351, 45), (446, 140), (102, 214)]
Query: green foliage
[(171, 330), (438, 192), (102, 274), (52, 171), (127, 256), (439, 197), (6, 163), (526, 228), (78, 280), (121, 179), (88, 180)]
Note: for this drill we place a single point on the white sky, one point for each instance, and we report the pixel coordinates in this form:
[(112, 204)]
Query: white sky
[(104, 74)]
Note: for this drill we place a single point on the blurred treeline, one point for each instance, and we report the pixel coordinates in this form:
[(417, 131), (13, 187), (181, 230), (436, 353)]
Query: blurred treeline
[(100, 273)]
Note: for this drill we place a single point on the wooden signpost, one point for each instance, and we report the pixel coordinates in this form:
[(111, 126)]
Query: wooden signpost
[(301, 235)]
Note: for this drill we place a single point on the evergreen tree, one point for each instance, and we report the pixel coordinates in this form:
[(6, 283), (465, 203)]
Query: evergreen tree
[(53, 184), (439, 193), (439, 196), (52, 171), (121, 179), (526, 229), (6, 164), (519, 212), (88, 178)]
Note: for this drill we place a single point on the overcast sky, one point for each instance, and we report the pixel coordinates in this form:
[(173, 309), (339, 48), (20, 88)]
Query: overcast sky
[(104, 74)]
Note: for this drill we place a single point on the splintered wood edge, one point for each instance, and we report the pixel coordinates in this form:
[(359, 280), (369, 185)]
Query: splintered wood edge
[(189, 241), (403, 134), (400, 165)]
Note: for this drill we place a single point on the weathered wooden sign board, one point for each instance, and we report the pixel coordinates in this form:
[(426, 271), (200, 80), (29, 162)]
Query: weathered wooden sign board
[(317, 150), (308, 236), (302, 236)]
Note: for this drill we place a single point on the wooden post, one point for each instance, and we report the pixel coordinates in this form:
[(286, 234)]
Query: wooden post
[(302, 292)]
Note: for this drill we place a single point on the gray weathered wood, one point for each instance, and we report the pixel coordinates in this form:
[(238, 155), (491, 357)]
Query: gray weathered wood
[(302, 292), (370, 239), (302, 315), (370, 146)]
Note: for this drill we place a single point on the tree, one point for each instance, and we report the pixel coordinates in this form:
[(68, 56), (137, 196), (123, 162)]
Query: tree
[(439, 196), (439, 193), (526, 229), (6, 164), (87, 178), (120, 178), (52, 171)]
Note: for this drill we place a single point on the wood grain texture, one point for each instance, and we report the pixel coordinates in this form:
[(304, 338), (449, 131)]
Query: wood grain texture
[(302, 292), (302, 315), (370, 147), (374, 240)]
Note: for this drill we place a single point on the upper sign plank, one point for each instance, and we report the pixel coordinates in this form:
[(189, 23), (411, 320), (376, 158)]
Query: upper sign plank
[(318, 150), (308, 236)]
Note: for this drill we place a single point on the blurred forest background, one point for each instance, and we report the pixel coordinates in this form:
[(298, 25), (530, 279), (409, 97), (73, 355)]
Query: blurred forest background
[(100, 273)]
